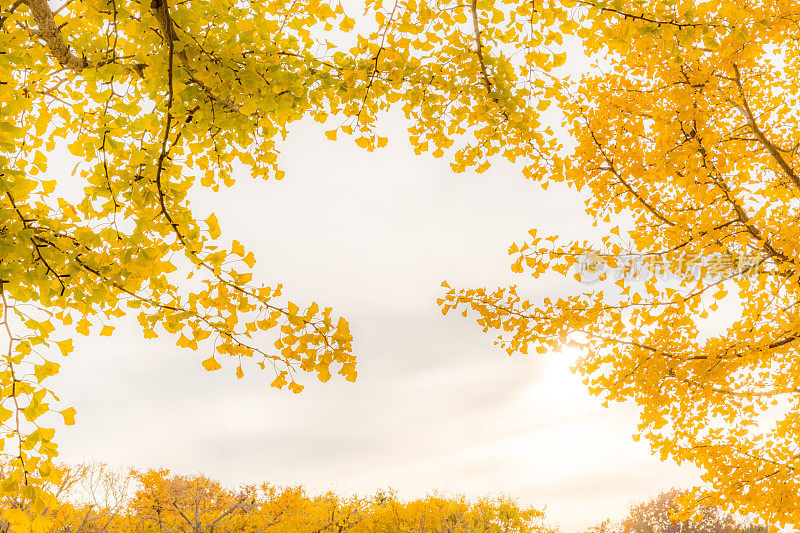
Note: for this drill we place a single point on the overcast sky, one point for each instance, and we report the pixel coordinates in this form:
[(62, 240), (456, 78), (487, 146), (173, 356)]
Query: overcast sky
[(435, 406)]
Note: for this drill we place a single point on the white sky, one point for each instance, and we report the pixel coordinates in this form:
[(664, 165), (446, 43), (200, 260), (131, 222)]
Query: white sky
[(435, 407)]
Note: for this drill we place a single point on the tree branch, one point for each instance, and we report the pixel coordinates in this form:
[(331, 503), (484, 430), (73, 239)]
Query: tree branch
[(50, 33), (762, 138), (479, 47)]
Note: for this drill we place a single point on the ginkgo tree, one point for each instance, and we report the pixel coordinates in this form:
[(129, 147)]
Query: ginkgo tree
[(153, 98), (686, 124), (686, 146)]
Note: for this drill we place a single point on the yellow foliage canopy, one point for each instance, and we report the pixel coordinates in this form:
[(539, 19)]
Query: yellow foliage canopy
[(155, 97), (687, 140)]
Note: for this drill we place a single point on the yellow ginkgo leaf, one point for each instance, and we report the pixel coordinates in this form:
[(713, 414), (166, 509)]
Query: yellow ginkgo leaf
[(69, 416), (211, 364), (213, 226), (65, 346)]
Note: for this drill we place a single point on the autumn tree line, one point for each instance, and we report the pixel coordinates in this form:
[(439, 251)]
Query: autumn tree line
[(99, 499), (95, 498)]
